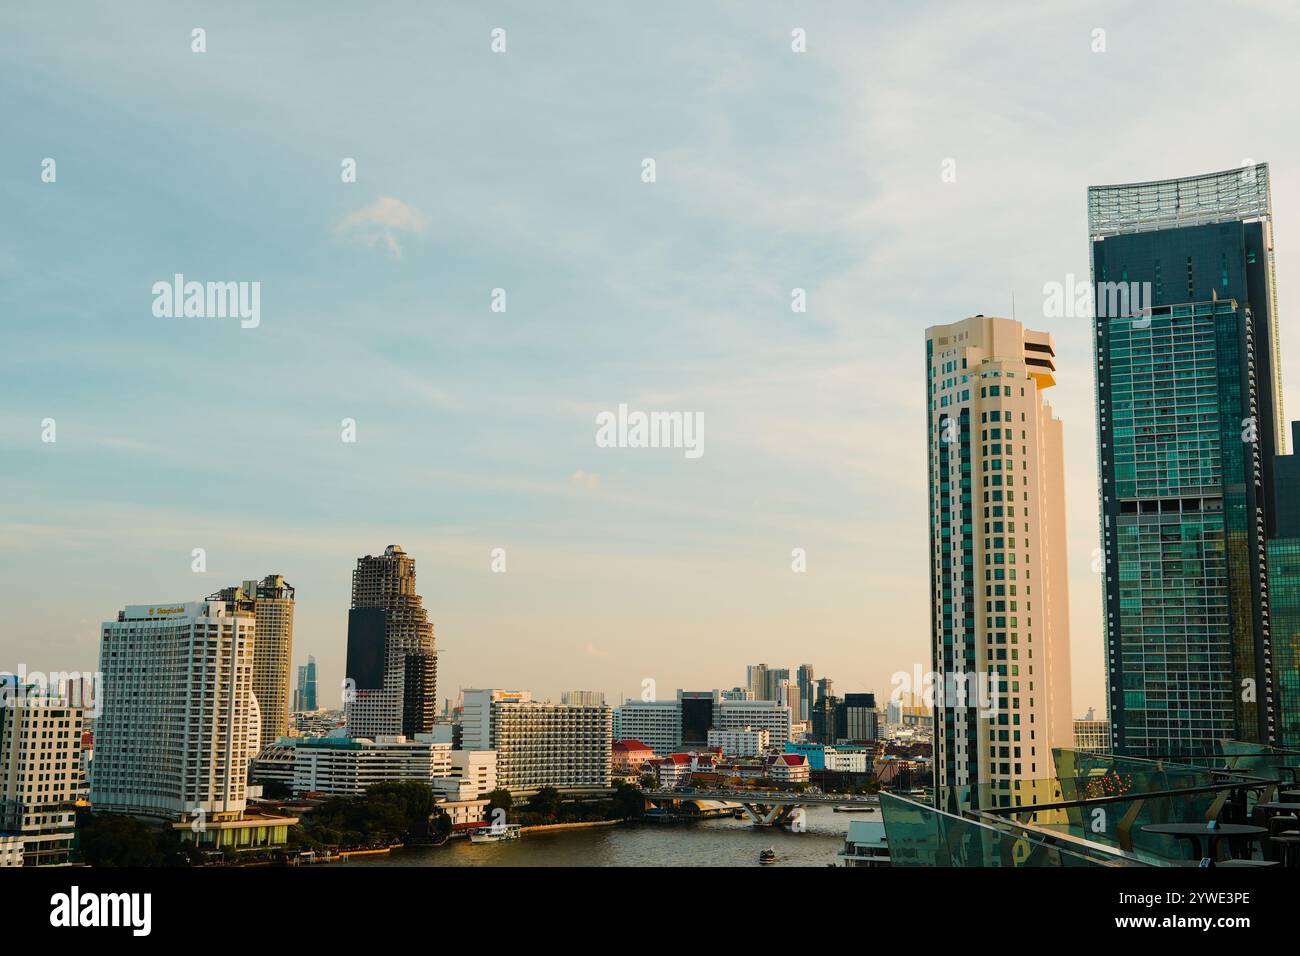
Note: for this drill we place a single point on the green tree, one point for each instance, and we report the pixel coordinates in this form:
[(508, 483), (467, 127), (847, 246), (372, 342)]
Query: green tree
[(628, 802), (111, 839), (545, 802), (499, 799), (441, 825)]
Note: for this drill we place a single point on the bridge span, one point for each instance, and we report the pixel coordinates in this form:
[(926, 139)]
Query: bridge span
[(764, 807)]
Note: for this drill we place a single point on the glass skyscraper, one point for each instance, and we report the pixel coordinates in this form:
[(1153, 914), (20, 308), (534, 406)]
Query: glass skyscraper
[(1284, 591), (1189, 420)]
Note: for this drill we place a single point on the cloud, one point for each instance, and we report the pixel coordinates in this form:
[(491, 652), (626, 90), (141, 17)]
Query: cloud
[(587, 480), (382, 222)]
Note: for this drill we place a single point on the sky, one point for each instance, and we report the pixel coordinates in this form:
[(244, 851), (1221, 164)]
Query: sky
[(522, 170)]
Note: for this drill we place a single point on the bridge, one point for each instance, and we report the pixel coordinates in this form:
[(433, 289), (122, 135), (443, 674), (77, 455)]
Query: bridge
[(765, 808)]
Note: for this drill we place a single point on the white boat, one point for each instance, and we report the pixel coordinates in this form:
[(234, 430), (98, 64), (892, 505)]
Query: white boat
[(495, 834), (864, 844)]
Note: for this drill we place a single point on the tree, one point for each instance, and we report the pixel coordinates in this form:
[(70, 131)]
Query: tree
[(545, 802), (499, 799), (628, 801), (441, 825), (647, 781), (110, 839)]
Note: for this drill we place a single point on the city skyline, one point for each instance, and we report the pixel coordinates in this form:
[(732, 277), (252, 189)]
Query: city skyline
[(622, 564)]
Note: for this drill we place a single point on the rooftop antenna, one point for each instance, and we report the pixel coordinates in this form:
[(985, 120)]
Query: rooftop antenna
[(1013, 304)]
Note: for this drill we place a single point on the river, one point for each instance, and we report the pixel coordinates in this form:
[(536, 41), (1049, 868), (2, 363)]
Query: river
[(721, 842)]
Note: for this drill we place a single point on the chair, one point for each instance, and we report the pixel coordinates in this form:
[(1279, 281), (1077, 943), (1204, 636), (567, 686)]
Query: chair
[(1287, 846), (1281, 828)]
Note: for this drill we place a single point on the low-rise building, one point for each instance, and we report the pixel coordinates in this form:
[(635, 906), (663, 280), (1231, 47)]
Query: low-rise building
[(845, 758), (473, 774), (346, 766), (465, 814), (788, 769), (630, 755)]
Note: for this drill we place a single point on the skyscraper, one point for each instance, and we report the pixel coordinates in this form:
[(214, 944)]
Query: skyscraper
[(1284, 591), (391, 658), (806, 678), (1189, 416), (271, 602), (999, 601), (304, 696), (774, 680), (179, 715)]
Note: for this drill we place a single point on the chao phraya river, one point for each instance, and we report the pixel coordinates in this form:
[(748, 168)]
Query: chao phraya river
[(721, 842)]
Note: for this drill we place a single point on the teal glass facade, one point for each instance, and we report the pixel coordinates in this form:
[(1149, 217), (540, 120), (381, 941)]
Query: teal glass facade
[(1284, 592), (1188, 407)]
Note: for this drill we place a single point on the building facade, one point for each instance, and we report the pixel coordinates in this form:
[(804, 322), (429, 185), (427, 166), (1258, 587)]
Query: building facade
[(40, 775), (807, 691), (1189, 420), (271, 602), (1092, 735), (345, 766), (391, 683), (999, 600), (740, 715), (1284, 591), (539, 744), (656, 723), (173, 739), (745, 742), (304, 696)]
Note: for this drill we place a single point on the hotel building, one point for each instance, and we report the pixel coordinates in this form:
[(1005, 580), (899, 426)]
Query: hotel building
[(179, 715), (539, 744), (999, 602)]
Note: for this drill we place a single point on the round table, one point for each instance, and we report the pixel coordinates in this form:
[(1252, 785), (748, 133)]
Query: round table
[(1194, 832), (1291, 796)]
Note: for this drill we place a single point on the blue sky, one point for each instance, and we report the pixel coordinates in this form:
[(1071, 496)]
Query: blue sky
[(521, 171)]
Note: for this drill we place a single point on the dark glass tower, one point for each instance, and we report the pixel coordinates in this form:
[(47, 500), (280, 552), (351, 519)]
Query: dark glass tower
[(1284, 591), (392, 658), (1189, 423)]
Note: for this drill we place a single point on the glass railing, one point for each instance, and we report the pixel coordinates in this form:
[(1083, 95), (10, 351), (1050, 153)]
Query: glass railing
[(918, 835)]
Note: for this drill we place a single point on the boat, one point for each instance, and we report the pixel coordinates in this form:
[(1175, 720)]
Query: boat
[(864, 844), (767, 856), (496, 834), (854, 808)]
